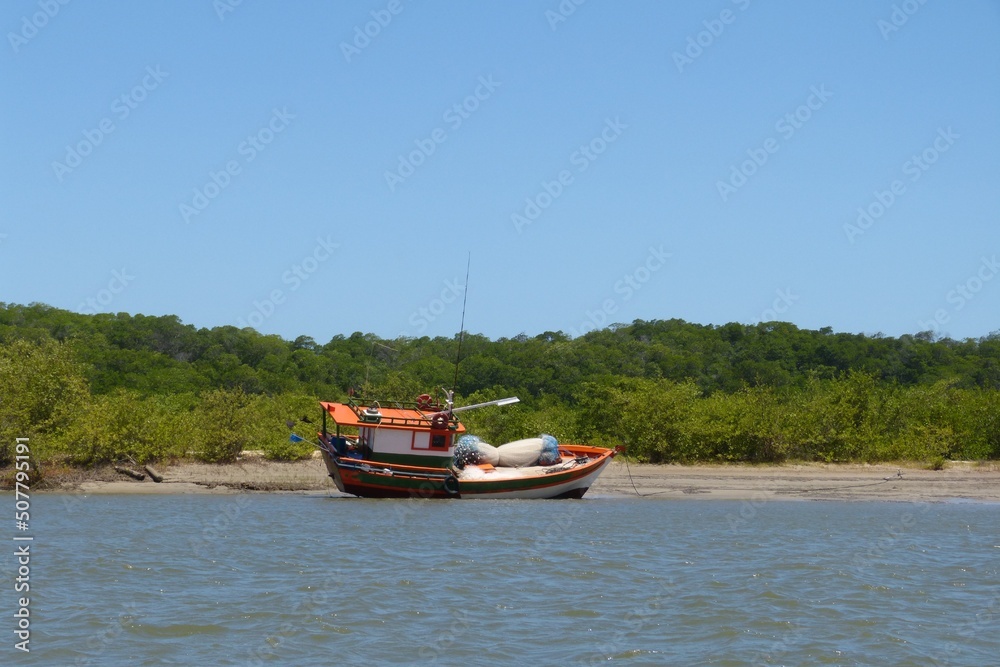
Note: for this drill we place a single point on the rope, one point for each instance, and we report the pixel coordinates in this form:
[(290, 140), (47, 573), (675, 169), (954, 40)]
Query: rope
[(641, 495), (851, 486), (629, 470), (899, 475)]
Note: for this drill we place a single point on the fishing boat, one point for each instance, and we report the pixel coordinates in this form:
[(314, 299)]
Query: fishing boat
[(408, 450)]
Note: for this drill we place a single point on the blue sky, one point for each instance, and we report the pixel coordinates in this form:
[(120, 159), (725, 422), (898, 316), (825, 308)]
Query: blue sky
[(321, 168)]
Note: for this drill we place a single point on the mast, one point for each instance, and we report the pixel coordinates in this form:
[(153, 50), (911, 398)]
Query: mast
[(450, 408), (461, 335)]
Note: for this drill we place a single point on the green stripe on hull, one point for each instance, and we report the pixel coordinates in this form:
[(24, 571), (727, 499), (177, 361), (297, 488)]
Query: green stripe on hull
[(407, 486), (412, 460), (470, 487)]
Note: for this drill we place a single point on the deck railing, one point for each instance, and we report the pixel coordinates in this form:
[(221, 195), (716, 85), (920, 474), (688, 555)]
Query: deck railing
[(360, 407)]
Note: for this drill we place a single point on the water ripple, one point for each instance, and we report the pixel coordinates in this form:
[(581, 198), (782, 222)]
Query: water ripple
[(304, 580)]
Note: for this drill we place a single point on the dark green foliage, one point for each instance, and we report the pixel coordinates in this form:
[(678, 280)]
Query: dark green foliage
[(225, 425), (273, 435), (42, 390), (102, 388)]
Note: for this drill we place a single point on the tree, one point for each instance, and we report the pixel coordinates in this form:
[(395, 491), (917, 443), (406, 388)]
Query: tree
[(42, 387)]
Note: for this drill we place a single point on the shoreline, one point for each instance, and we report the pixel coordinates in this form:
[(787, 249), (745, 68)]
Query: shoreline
[(906, 482)]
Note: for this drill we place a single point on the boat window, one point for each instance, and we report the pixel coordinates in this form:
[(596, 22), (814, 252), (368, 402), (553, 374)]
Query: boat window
[(439, 441)]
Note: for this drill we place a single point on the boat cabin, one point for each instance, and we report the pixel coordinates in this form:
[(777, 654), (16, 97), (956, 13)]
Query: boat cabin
[(414, 434)]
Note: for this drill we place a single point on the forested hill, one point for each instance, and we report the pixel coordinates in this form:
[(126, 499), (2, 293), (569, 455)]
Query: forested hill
[(103, 388), (160, 354)]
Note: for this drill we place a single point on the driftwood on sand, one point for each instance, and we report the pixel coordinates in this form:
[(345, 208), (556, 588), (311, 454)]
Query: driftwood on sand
[(134, 474)]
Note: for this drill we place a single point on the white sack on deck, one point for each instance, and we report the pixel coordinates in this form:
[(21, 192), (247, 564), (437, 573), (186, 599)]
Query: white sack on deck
[(520, 453), (489, 454)]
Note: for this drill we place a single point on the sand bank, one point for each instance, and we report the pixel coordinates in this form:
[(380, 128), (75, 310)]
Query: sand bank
[(803, 481)]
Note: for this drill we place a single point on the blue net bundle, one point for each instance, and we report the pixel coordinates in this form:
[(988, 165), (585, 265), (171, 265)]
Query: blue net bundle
[(467, 451), (550, 451)]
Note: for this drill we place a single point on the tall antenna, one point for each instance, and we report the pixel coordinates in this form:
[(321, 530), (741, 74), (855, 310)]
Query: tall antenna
[(372, 354), (461, 333)]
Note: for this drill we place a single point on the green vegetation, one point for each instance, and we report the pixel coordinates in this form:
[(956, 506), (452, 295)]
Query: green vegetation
[(91, 389)]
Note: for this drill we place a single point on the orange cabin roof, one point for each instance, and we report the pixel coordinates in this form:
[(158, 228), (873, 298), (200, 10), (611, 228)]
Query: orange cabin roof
[(401, 418)]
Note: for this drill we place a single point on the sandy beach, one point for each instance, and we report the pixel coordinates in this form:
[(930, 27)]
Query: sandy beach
[(959, 481)]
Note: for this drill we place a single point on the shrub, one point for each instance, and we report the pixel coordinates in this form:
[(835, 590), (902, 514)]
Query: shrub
[(122, 425), (271, 431), (42, 389), (224, 426)]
